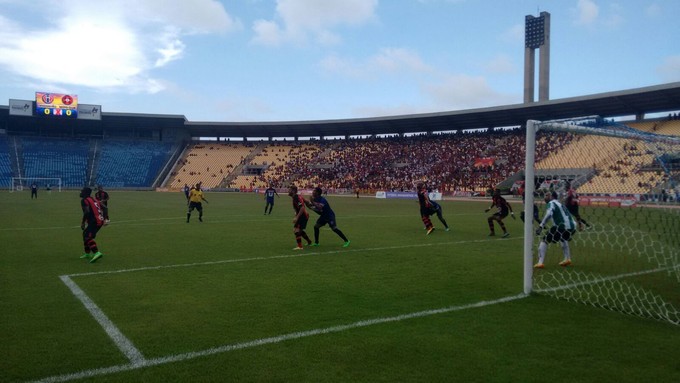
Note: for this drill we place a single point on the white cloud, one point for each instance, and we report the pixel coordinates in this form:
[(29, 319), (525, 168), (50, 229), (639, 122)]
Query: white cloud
[(267, 33), (105, 45), (653, 10), (501, 64), (614, 17), (440, 90), (300, 20), (386, 61), (397, 60), (456, 92), (669, 70), (587, 12), (171, 47), (453, 92), (513, 35)]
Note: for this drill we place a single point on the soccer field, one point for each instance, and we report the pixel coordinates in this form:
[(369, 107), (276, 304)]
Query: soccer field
[(228, 300)]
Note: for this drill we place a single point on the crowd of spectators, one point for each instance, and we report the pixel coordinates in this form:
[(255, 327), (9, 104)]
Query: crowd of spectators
[(449, 162)]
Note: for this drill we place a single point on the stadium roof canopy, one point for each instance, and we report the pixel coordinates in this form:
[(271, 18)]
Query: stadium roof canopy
[(633, 102)]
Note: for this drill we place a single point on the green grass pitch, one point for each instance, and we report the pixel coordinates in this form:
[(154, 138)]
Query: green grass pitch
[(228, 299)]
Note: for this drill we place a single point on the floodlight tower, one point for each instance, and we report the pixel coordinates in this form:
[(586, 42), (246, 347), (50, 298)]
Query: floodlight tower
[(537, 36)]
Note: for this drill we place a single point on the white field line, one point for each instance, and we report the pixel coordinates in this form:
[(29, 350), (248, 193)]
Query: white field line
[(606, 279), (272, 340), (121, 341), (137, 359)]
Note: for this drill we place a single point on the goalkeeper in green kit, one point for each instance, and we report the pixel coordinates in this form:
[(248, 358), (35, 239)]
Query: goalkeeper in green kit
[(561, 231)]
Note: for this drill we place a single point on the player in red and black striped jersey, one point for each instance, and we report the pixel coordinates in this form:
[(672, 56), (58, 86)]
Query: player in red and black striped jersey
[(92, 221), (103, 198), (571, 202), (301, 218), (502, 208), (429, 207)]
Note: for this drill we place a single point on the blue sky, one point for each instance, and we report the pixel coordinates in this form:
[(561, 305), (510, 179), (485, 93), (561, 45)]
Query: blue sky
[(293, 60)]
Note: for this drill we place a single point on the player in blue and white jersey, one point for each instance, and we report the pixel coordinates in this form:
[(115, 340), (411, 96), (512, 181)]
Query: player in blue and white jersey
[(561, 231)]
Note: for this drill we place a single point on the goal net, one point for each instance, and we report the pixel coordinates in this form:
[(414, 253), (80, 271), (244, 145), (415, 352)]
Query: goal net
[(624, 251), (25, 183)]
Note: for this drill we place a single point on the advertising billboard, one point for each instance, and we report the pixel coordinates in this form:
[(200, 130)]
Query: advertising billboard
[(89, 112), (20, 107)]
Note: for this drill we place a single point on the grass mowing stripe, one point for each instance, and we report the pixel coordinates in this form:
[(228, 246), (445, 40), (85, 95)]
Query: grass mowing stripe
[(121, 341), (251, 259), (272, 340)]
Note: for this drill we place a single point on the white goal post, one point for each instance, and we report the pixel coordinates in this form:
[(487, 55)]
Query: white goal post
[(626, 244), (24, 183)]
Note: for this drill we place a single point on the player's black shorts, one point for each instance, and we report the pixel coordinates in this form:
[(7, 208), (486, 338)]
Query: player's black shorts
[(301, 223), (558, 233), (90, 232), (573, 210), (195, 205), (435, 208), (502, 214), (326, 220)]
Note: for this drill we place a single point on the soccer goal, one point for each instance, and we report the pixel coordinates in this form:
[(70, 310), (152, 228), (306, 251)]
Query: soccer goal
[(625, 246), (24, 183)]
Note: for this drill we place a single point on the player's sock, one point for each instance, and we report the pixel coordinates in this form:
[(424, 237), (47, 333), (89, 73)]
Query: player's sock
[(316, 234), (490, 222), (427, 222), (339, 232), (443, 221), (298, 239), (542, 248), (306, 237), (565, 250), (188, 217)]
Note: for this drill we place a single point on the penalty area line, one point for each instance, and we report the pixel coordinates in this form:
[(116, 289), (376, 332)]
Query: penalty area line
[(271, 340), (121, 341)]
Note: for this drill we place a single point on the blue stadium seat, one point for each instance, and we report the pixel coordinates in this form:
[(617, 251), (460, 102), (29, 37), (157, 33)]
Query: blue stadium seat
[(131, 163), (56, 158), (5, 163)]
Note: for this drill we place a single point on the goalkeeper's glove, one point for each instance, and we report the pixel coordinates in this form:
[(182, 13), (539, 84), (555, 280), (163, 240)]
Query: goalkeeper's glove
[(512, 214), (539, 230)]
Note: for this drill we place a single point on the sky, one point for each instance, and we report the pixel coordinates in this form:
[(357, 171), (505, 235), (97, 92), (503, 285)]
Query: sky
[(301, 60)]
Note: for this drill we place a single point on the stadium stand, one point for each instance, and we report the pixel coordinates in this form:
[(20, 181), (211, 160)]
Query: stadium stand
[(56, 158), (5, 162), (471, 162), (209, 163), (126, 163)]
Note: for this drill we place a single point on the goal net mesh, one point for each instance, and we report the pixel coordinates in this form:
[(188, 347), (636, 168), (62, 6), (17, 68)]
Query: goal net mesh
[(625, 252), (43, 183)]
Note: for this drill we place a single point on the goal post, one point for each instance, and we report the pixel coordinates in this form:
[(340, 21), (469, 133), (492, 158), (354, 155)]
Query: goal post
[(625, 248), (24, 183)]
